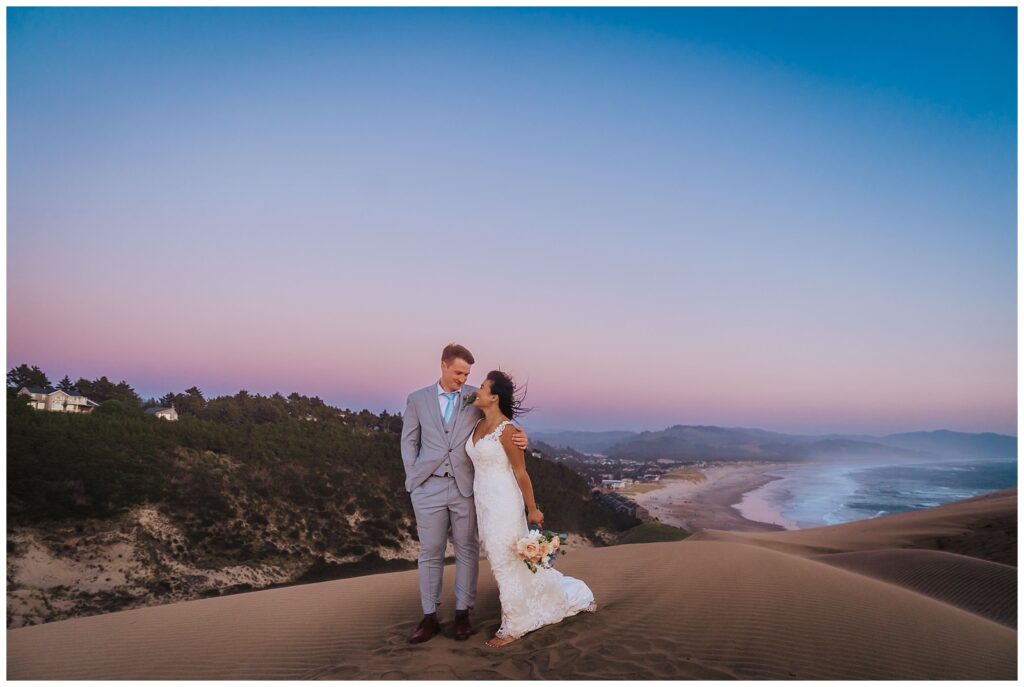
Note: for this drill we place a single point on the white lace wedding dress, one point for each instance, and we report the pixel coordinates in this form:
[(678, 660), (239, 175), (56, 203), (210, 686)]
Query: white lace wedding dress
[(528, 600)]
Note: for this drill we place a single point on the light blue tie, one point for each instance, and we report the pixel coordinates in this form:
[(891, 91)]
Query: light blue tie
[(451, 404)]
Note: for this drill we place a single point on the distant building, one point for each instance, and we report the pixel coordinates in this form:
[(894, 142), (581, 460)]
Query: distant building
[(613, 483), (163, 413), (619, 504), (58, 400)]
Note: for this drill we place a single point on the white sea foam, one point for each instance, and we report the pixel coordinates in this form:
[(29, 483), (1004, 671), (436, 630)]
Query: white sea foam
[(818, 494)]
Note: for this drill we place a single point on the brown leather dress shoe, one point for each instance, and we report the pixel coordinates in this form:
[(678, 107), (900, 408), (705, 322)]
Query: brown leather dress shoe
[(462, 628), (427, 628)]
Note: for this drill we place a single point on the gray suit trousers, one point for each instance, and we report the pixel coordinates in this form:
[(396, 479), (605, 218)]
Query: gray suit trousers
[(439, 505)]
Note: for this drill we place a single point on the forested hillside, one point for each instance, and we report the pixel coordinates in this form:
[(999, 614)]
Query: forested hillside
[(242, 492)]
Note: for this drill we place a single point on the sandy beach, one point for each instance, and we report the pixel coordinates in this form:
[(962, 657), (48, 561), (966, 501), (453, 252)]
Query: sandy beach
[(712, 503), (913, 595)]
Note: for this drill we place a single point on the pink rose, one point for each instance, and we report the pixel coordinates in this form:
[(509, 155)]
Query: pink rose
[(555, 543), (531, 550)]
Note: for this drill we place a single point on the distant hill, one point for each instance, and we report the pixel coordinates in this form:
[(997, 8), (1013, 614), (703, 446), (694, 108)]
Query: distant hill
[(708, 442), (685, 442), (949, 444), (584, 442), (561, 452)]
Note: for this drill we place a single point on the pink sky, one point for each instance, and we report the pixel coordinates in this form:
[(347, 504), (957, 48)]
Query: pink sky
[(654, 216)]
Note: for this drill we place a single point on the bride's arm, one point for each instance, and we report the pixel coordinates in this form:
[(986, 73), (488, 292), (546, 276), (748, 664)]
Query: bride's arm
[(518, 461)]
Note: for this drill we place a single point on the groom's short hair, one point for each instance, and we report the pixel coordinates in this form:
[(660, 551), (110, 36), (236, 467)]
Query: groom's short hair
[(453, 351)]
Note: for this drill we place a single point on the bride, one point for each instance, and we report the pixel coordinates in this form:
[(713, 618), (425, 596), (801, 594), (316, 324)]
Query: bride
[(501, 491)]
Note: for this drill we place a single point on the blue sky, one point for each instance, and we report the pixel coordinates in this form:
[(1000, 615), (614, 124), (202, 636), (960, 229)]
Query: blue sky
[(802, 219)]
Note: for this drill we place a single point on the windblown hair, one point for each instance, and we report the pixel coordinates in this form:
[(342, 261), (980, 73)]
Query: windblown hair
[(504, 387), (453, 351)]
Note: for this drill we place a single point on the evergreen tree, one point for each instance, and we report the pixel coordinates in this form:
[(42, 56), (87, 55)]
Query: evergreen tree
[(23, 375), (103, 389), (191, 402)]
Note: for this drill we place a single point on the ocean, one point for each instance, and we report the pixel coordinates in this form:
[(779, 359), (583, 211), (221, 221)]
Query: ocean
[(818, 494)]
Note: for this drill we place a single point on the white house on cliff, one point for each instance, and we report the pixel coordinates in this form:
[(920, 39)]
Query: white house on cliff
[(50, 398), (163, 413)]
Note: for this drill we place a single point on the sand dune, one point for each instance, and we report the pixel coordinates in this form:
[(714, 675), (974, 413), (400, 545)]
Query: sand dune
[(835, 602), (982, 587)]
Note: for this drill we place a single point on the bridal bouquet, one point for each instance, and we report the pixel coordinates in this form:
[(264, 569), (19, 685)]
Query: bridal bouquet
[(540, 548)]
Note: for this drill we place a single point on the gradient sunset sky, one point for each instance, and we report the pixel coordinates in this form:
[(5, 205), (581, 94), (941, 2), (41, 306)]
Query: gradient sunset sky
[(798, 219)]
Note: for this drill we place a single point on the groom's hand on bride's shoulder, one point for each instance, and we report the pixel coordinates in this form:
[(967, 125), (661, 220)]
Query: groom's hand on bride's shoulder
[(519, 438)]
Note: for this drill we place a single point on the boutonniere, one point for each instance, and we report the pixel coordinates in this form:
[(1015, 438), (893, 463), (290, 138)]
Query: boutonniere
[(469, 399)]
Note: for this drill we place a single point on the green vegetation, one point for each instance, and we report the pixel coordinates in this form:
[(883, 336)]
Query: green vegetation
[(652, 531), (212, 478), (640, 488), (247, 478), (690, 474), (25, 375)]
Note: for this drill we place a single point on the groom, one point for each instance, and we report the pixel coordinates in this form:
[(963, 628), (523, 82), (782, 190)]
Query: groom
[(439, 479)]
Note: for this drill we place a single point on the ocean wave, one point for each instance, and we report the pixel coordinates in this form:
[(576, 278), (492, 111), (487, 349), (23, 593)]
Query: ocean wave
[(816, 495)]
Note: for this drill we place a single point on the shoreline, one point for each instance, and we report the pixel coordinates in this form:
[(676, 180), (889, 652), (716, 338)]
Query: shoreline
[(753, 506), (723, 501)]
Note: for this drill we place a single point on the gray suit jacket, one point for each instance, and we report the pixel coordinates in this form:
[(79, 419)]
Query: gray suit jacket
[(425, 443)]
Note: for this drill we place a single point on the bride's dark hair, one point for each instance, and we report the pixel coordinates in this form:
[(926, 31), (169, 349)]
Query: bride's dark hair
[(504, 387)]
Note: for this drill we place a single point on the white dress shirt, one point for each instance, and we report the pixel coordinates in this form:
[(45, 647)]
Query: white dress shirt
[(442, 400)]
